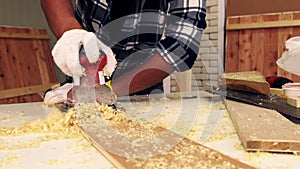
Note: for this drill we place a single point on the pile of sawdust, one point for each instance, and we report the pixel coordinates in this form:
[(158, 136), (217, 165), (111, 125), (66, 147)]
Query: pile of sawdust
[(56, 122)]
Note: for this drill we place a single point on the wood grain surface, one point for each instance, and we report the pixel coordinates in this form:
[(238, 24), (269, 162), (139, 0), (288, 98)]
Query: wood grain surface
[(258, 48), (249, 81), (25, 61), (262, 129), (186, 153)]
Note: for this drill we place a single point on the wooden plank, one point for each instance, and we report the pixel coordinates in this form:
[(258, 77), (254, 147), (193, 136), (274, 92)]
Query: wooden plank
[(245, 45), (4, 61), (133, 144), (39, 60), (232, 47), (28, 69), (262, 129), (257, 46), (270, 53), (4, 74), (39, 72), (27, 60), (283, 35), (14, 67), (17, 35), (260, 25), (277, 91), (45, 67), (258, 49), (294, 101), (24, 90), (184, 81), (250, 81), (27, 66), (182, 152)]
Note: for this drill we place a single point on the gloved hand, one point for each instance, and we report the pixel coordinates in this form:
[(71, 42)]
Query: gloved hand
[(59, 94), (66, 52)]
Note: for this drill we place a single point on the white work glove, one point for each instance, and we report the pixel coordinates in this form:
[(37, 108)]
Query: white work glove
[(66, 52), (59, 94), (290, 59)]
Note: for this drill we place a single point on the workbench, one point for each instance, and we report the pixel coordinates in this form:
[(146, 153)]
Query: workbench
[(205, 128)]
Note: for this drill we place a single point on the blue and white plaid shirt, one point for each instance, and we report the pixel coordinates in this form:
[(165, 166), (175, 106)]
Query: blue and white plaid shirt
[(172, 28)]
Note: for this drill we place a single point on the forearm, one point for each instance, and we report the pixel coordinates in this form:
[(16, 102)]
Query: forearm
[(151, 72), (60, 16)]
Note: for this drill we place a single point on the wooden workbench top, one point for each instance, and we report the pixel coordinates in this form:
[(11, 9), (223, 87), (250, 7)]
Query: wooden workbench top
[(77, 153)]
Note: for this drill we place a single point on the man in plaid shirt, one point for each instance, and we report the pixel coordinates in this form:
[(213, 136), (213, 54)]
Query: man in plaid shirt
[(150, 38)]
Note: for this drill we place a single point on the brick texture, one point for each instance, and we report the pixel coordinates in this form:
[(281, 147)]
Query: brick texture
[(206, 68)]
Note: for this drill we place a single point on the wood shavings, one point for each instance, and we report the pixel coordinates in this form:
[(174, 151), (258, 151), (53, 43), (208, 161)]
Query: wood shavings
[(17, 145), (239, 146), (185, 155), (53, 162), (6, 117), (56, 122), (93, 116), (21, 113), (223, 131), (32, 137), (56, 162), (56, 126), (10, 161)]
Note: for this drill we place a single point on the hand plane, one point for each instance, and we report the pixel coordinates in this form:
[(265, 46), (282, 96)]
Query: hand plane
[(92, 87)]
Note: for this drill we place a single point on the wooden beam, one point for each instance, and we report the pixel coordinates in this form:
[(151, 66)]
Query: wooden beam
[(24, 35), (184, 81), (9, 93), (259, 25)]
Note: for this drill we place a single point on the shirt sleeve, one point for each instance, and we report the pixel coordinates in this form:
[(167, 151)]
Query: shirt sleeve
[(184, 26)]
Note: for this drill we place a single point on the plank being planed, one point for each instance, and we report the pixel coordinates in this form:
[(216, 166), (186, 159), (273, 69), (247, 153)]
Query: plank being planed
[(133, 144), (186, 153), (262, 129)]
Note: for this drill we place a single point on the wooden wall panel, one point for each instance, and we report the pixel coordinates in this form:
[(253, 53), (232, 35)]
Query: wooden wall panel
[(269, 67), (255, 42), (251, 7), (257, 46), (283, 35), (25, 60), (232, 47), (245, 46)]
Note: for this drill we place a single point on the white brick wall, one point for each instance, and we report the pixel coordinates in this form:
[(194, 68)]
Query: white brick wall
[(206, 68), (210, 69)]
